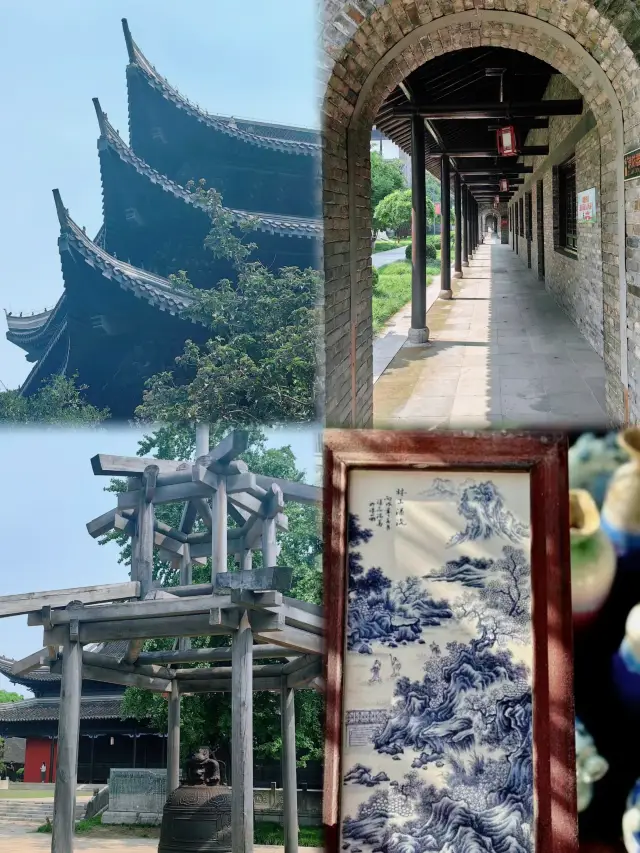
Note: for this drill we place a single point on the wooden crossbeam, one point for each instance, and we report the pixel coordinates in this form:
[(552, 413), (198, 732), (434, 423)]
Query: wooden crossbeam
[(292, 638), (31, 662), (96, 659), (113, 676), (298, 618), (275, 578), (166, 494), (303, 676), (292, 490), (201, 673), (165, 607), (16, 605), (104, 464), (224, 685), (260, 651), (215, 623), (232, 445)]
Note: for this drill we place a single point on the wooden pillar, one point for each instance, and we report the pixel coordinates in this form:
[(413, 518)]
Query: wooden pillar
[(173, 739), (246, 560), (219, 530), (91, 766), (445, 236), (457, 190), (64, 798), (242, 738), (269, 543), (135, 749), (202, 440), (145, 529), (186, 577), (133, 484), (465, 218), (289, 776), (418, 333)]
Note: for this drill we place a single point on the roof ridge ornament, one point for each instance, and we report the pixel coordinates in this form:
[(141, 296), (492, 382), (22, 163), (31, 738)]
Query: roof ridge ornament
[(61, 210), (131, 45), (102, 118)]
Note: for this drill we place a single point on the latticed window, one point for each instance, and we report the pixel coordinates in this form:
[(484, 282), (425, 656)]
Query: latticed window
[(567, 204)]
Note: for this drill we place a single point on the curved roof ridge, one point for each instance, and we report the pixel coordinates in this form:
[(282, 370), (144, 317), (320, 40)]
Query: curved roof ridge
[(272, 222), (37, 367), (25, 332), (106, 261), (228, 126)]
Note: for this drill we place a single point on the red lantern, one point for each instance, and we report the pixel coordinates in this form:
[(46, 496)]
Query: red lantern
[(507, 143), (504, 185)]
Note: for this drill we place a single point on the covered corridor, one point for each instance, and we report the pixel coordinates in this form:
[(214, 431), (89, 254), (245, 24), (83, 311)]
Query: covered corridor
[(500, 352)]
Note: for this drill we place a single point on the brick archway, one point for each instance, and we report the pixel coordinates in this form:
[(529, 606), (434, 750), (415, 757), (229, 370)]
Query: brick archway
[(367, 57)]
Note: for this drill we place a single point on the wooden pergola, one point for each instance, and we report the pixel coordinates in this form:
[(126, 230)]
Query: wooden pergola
[(250, 605)]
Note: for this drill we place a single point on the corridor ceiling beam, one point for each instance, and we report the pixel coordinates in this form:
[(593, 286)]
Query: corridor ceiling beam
[(525, 151), (504, 172), (492, 111)]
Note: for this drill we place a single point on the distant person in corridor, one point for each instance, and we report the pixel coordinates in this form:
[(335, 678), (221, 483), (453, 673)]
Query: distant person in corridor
[(43, 772)]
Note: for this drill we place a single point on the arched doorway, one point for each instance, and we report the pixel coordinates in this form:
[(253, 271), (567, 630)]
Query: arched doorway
[(366, 59), (490, 223)]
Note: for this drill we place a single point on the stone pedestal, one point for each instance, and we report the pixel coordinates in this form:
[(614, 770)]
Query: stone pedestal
[(196, 819)]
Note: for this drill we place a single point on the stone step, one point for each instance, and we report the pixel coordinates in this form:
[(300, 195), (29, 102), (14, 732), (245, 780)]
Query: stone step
[(26, 812)]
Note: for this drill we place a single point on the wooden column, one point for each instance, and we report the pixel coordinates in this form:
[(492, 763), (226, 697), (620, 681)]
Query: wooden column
[(219, 530), (246, 560), (145, 529), (202, 440), (465, 217), (445, 236), (173, 739), (64, 798), (289, 776), (418, 333), (242, 738), (269, 543), (186, 578), (457, 189)]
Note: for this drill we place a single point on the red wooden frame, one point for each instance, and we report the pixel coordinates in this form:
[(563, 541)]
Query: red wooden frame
[(544, 457)]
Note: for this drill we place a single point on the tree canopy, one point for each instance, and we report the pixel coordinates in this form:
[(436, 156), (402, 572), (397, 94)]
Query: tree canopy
[(207, 718), (10, 696), (59, 400), (386, 176), (393, 213)]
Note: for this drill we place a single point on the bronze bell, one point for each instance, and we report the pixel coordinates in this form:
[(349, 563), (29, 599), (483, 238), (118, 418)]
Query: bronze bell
[(197, 816)]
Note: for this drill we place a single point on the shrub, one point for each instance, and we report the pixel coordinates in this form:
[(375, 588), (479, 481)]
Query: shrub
[(375, 275), (431, 251)]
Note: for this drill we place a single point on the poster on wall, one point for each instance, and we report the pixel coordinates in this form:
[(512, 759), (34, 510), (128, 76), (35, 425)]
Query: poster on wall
[(436, 208), (632, 164), (586, 206), (444, 677)]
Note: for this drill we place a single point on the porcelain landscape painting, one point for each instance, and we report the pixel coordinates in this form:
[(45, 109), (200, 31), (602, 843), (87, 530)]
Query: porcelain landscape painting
[(438, 700)]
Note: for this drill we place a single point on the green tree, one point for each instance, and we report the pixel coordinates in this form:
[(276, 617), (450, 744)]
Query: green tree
[(207, 718), (10, 696), (259, 362), (386, 176), (59, 400), (394, 213)]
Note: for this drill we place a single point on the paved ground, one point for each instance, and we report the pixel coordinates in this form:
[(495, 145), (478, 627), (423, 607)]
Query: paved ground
[(22, 840), (381, 259), (502, 352)]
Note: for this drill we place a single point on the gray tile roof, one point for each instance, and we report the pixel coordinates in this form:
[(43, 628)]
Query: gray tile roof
[(91, 708)]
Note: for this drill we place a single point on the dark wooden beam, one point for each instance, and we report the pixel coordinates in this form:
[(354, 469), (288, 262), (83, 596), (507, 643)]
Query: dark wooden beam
[(492, 111), (503, 172), (213, 655), (526, 151)]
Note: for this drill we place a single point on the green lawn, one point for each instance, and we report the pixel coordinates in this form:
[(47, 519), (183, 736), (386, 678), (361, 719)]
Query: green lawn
[(394, 290), (264, 833), (385, 245), (26, 794)]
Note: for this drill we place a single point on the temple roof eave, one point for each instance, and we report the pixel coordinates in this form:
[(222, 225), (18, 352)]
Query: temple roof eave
[(229, 126), (290, 226)]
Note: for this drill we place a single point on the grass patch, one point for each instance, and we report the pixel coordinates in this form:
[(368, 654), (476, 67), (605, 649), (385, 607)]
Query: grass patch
[(27, 794), (264, 833), (385, 245), (393, 290)]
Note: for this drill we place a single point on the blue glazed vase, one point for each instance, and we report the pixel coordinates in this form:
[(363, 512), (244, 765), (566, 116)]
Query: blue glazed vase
[(592, 463), (590, 766), (620, 517), (631, 820), (593, 561), (626, 662)]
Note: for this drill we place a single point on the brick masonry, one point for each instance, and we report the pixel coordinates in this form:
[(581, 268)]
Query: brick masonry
[(359, 34)]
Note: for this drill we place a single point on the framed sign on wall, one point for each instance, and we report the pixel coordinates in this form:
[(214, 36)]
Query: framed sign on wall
[(449, 719)]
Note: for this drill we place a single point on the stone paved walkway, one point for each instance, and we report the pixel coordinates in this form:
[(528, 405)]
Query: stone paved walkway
[(501, 353), (381, 259)]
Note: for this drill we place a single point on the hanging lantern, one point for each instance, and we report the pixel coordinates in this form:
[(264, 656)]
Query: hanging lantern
[(504, 185), (496, 201), (507, 143)]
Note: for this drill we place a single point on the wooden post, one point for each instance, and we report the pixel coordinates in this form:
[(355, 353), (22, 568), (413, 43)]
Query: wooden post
[(289, 778), (202, 440), (242, 738), (465, 217), (173, 739), (186, 577), (457, 190), (418, 333), (445, 235), (246, 560), (145, 530), (219, 530), (133, 483), (64, 798), (269, 543)]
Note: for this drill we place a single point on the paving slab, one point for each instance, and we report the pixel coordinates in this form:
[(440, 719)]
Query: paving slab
[(502, 352)]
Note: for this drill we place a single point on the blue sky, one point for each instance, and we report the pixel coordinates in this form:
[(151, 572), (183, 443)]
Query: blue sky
[(255, 60), (49, 494)]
